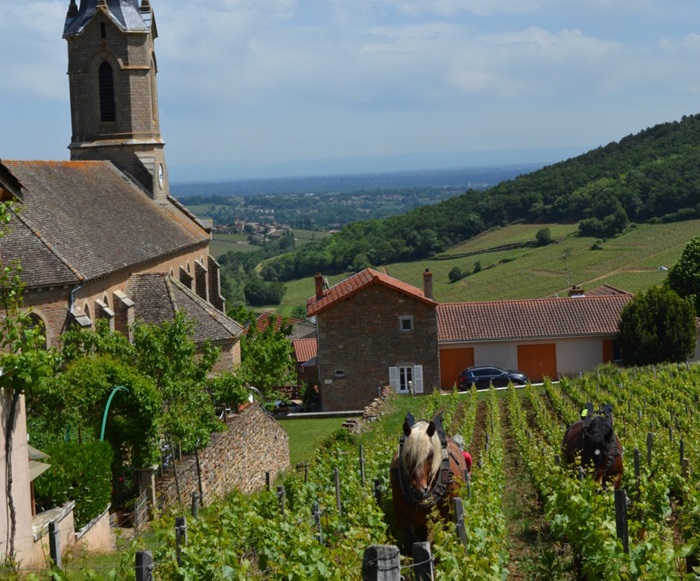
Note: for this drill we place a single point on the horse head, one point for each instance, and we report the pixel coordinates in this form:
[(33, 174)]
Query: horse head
[(598, 438), (420, 456)]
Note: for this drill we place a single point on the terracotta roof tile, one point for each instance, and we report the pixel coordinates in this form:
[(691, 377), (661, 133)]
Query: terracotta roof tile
[(305, 349), (363, 279), (530, 319)]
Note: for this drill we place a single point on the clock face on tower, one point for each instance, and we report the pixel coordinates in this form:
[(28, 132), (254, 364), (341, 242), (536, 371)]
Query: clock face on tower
[(160, 175)]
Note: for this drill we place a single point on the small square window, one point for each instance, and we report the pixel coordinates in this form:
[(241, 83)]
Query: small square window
[(406, 324)]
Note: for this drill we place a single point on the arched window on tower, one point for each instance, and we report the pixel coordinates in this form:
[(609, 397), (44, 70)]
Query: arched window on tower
[(106, 78)]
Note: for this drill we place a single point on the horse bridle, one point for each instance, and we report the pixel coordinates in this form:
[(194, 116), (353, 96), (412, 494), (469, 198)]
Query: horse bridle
[(444, 478)]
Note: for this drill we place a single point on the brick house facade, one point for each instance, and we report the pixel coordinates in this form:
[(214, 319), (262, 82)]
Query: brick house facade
[(373, 331)]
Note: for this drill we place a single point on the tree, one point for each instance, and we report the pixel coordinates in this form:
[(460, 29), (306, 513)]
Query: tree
[(684, 276), (24, 365), (266, 357), (543, 237), (456, 274), (657, 326)]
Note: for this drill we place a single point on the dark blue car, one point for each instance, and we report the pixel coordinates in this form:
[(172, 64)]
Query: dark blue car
[(483, 376)]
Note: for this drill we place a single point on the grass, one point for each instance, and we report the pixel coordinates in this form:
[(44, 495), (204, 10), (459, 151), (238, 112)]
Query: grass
[(630, 261), (306, 434)]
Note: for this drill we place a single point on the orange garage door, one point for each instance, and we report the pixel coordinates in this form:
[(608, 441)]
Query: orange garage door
[(452, 361), (538, 361)]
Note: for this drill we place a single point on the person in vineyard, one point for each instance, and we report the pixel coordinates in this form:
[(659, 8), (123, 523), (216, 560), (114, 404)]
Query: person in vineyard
[(459, 440)]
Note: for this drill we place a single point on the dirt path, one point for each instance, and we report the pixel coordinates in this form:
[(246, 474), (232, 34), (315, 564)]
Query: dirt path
[(534, 554)]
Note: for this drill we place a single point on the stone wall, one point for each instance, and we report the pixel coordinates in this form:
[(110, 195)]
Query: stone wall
[(238, 458)]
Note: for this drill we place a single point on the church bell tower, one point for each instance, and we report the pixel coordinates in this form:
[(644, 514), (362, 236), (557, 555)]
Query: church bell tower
[(113, 94)]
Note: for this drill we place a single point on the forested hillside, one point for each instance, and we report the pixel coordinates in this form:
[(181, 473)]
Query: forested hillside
[(652, 176)]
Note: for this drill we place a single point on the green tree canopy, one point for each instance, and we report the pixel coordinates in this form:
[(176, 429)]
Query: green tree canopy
[(657, 326), (266, 357), (684, 276)]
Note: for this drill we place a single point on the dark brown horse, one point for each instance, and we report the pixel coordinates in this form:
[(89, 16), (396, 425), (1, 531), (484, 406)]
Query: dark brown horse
[(425, 474), (593, 443)]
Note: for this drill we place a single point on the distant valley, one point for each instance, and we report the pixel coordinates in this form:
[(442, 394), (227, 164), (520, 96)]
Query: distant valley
[(464, 178)]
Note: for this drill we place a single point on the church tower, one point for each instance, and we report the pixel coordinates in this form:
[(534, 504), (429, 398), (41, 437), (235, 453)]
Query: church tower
[(114, 101)]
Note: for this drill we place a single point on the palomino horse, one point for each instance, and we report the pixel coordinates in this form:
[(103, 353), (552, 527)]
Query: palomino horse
[(425, 474), (593, 441)]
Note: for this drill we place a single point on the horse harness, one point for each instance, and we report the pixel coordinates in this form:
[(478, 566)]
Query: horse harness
[(613, 448), (444, 478)]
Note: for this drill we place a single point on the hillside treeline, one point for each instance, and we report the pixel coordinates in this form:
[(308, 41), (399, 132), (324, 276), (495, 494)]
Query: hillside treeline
[(653, 175)]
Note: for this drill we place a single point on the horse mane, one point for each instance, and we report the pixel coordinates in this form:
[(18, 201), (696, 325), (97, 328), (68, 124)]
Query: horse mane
[(418, 446)]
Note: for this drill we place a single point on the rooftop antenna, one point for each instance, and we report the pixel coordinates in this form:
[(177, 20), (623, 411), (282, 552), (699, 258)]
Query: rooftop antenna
[(565, 256)]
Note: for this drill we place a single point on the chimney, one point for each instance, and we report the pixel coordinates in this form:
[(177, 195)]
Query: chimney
[(575, 291), (428, 284), (319, 285)]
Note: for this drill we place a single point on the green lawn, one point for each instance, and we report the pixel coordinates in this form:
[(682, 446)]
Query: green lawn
[(306, 434)]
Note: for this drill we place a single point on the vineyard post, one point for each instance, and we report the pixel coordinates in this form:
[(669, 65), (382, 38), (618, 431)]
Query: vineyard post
[(195, 505), (362, 465), (55, 544), (381, 563), (144, 566), (306, 472), (621, 518), (268, 480), (636, 465), (316, 511), (423, 562), (280, 497), (650, 445), (337, 490), (180, 537), (459, 520), (681, 451), (670, 434), (378, 491), (468, 482)]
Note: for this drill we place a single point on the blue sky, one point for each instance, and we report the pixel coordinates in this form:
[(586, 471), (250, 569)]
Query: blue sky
[(280, 87)]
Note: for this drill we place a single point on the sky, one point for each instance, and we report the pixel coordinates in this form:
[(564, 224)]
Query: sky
[(266, 88)]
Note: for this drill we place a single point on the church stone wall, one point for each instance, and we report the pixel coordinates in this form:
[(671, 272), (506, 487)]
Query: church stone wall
[(238, 458)]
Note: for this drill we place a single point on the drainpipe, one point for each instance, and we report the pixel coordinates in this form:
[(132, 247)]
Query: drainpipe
[(72, 297)]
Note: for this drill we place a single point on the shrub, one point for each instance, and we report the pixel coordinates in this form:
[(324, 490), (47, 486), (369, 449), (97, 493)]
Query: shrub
[(79, 472), (657, 326), (543, 237)]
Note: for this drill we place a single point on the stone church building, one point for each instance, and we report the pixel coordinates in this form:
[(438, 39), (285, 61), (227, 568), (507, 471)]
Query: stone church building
[(99, 236)]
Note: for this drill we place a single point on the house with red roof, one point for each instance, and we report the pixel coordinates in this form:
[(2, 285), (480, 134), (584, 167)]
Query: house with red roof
[(373, 330)]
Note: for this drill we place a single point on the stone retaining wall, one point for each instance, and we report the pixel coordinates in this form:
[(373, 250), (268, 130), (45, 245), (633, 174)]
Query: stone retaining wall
[(238, 458)]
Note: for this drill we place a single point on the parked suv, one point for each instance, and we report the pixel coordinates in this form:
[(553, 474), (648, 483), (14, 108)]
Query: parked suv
[(485, 375)]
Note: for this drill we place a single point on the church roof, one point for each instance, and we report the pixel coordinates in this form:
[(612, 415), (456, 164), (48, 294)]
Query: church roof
[(83, 220), (126, 14), (158, 297)]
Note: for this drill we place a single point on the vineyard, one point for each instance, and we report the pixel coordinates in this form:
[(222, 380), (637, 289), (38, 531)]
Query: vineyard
[(317, 521)]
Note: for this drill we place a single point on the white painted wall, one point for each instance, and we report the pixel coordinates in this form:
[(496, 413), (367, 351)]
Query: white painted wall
[(578, 355), (24, 541), (499, 354)]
